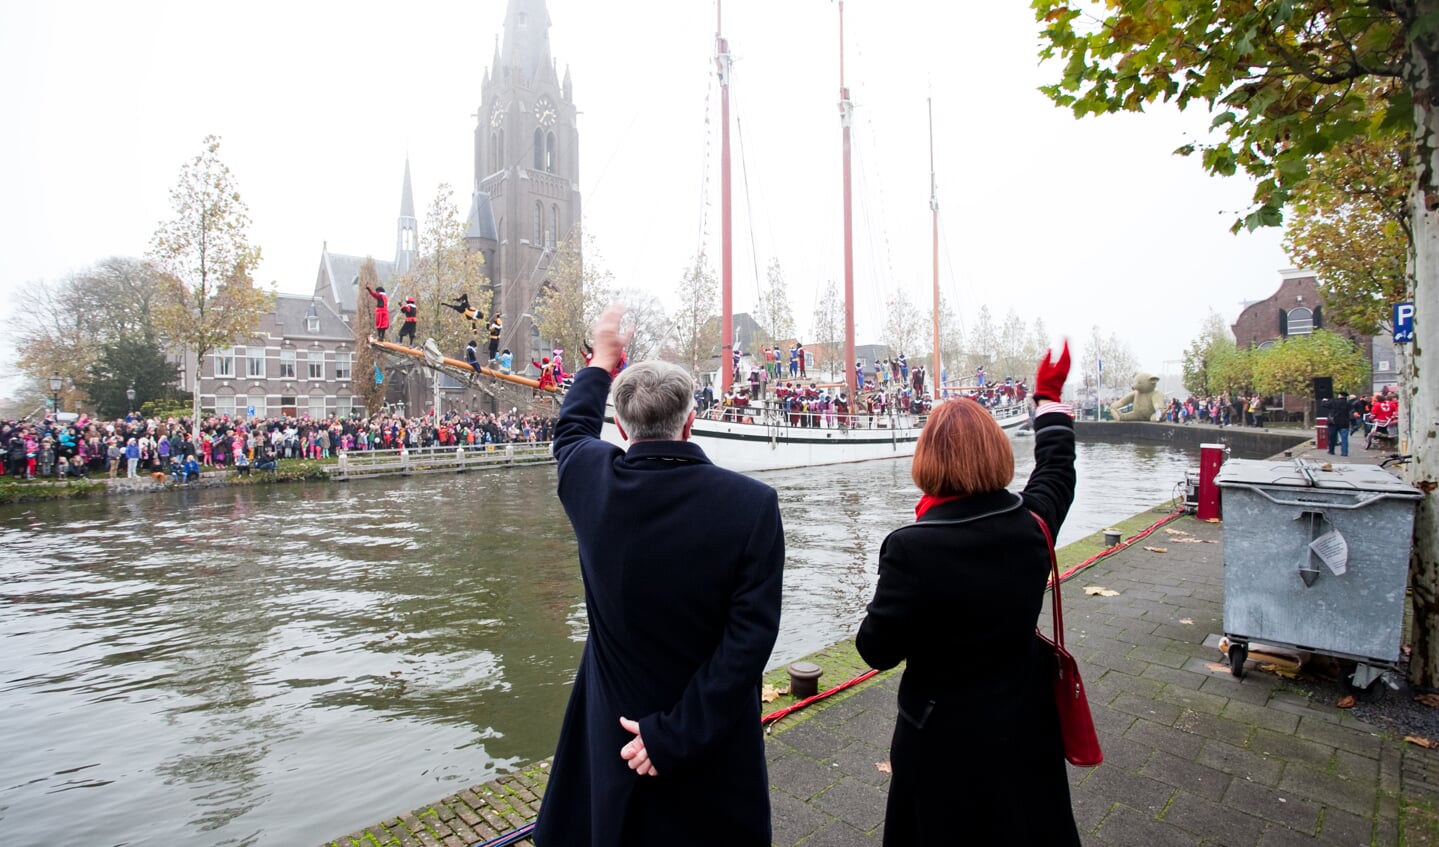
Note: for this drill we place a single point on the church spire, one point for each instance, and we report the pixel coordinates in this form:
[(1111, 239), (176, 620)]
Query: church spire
[(526, 50), (407, 228)]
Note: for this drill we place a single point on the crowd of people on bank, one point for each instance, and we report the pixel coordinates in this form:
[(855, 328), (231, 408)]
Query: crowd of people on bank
[(1223, 410), (137, 446), (1361, 413)]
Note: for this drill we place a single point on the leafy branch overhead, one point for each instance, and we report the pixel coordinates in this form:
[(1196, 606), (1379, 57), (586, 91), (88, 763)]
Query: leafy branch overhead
[(1280, 79)]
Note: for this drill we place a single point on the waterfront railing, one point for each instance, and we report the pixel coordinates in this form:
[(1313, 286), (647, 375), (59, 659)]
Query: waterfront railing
[(419, 460)]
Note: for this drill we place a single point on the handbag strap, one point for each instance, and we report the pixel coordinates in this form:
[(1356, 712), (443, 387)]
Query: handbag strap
[(1054, 603)]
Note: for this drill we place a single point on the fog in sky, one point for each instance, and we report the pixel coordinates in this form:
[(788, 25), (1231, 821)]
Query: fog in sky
[(319, 103)]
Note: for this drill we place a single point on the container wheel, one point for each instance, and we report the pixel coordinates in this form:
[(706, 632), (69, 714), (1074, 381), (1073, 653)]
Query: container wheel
[(1365, 693), (1238, 653)]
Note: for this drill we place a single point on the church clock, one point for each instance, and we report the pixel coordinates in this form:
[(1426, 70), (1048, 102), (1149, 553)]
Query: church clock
[(497, 114), (545, 112)]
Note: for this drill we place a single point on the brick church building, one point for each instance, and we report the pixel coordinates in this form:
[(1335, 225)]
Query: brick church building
[(524, 205)]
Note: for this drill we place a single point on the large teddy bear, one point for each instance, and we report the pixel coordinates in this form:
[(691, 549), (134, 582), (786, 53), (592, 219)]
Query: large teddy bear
[(1141, 403)]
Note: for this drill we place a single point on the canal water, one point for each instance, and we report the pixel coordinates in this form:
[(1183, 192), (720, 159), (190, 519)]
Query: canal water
[(281, 665)]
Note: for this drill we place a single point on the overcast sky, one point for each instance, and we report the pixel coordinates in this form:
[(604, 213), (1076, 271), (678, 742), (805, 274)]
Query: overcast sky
[(318, 104)]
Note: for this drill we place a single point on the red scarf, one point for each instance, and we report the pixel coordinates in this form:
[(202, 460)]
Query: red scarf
[(929, 501)]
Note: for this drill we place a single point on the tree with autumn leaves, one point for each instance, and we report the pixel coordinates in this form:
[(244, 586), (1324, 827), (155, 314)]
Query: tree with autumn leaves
[(1291, 85), (206, 298)]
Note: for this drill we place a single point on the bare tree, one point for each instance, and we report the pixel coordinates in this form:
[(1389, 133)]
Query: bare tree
[(645, 314), (901, 325), (776, 317), (697, 333), (983, 345), (828, 330)]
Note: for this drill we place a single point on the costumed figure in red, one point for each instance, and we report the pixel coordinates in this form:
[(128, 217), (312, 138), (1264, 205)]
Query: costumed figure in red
[(382, 310)]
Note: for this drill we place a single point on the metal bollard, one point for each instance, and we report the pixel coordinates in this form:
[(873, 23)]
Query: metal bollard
[(804, 679), (1112, 538)]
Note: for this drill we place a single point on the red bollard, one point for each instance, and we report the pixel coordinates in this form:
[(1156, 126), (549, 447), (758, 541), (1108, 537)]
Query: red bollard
[(1211, 457)]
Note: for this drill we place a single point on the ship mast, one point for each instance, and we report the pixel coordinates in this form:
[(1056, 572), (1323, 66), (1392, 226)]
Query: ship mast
[(934, 221), (846, 115), (723, 63)]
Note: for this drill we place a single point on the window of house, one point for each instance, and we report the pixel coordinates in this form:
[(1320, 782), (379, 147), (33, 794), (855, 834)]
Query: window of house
[(287, 364), (242, 405), (317, 407), (225, 363), (1301, 321), (312, 324), (342, 365), (255, 363), (316, 368)]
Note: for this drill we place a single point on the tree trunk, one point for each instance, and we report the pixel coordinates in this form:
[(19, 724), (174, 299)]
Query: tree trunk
[(1419, 392)]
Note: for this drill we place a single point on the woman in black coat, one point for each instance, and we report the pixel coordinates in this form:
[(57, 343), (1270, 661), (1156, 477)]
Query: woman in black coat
[(976, 754)]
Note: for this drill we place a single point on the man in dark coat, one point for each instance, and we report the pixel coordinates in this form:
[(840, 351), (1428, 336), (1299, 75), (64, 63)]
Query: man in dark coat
[(661, 742)]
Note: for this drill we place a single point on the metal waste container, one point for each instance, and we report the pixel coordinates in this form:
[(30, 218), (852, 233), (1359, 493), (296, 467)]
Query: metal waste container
[(1316, 557)]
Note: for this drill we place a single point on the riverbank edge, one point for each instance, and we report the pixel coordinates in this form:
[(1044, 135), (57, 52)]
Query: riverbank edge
[(1243, 441), (488, 810), (39, 491)]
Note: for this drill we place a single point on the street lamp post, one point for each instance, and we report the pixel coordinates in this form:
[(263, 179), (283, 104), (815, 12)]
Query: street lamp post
[(56, 383), (130, 396)]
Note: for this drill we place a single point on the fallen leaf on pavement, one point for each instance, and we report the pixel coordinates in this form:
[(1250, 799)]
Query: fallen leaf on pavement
[(1346, 702), (1427, 743), (1187, 621), (1157, 549), (883, 767), (1100, 590), (1215, 667), (1177, 531), (769, 693), (1211, 520), (1430, 700)]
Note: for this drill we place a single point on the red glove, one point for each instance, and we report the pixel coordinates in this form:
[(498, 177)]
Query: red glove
[(1049, 377)]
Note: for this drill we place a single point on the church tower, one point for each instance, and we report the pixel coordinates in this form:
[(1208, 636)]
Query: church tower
[(407, 234), (526, 169)]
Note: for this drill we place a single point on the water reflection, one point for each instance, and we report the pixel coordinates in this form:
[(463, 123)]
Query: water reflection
[(281, 665)]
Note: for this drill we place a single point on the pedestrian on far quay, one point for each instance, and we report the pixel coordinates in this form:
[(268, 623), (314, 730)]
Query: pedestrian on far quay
[(976, 756), (661, 743)]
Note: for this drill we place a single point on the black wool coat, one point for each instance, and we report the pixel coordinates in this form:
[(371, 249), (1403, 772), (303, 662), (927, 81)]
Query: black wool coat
[(679, 635), (976, 755)]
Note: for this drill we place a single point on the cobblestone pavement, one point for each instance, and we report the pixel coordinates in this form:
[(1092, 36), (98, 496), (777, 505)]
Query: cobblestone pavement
[(1193, 755)]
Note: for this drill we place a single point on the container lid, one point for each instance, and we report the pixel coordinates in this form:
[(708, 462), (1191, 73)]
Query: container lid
[(1302, 473)]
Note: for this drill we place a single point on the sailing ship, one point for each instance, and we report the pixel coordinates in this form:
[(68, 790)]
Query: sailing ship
[(761, 437)]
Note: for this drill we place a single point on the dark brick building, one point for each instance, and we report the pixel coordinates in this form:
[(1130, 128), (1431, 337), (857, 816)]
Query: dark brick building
[(1297, 308)]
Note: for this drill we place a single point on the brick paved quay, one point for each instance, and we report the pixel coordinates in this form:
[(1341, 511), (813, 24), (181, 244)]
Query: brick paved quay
[(1193, 756)]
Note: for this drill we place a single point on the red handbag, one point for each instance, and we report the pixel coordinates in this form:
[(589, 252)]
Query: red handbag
[(1076, 725)]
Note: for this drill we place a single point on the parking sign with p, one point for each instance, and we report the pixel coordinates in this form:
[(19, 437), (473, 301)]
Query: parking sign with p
[(1403, 323)]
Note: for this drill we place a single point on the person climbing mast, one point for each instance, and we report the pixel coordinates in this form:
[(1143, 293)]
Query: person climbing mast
[(382, 310), (462, 305), (496, 327), (411, 313)]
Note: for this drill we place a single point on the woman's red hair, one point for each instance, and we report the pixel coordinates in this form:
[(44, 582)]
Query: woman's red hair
[(962, 451)]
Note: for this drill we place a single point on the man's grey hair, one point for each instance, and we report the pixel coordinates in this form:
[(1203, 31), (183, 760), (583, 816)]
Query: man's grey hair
[(653, 400)]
